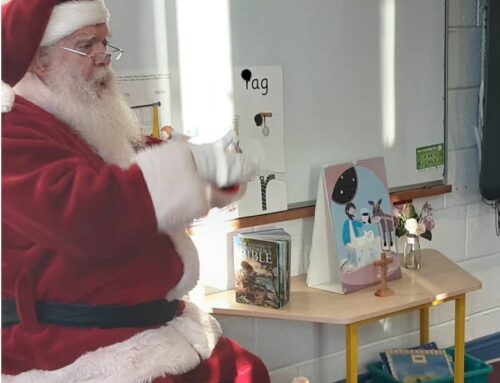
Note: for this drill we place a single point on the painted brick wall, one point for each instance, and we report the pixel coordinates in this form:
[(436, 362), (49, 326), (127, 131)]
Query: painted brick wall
[(464, 232)]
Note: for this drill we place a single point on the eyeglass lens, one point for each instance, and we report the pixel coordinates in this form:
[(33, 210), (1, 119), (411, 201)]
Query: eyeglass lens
[(114, 52), (105, 56)]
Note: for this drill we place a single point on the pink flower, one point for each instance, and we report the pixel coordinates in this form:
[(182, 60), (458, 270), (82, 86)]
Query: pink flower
[(429, 223), (397, 210), (396, 220), (420, 229), (427, 207)]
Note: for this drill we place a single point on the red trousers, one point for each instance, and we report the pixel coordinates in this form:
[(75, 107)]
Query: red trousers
[(229, 363)]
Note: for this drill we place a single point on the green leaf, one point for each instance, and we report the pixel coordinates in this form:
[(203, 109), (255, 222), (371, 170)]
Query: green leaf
[(409, 211), (427, 235), (400, 231)]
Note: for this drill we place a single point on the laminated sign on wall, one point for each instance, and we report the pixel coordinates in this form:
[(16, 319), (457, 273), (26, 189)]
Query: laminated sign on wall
[(353, 225)]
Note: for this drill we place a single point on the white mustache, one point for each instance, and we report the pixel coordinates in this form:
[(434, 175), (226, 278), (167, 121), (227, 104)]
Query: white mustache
[(101, 75)]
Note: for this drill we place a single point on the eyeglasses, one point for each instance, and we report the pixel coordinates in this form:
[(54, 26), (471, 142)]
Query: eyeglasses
[(115, 54)]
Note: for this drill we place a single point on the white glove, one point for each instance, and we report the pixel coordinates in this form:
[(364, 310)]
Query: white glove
[(221, 167)]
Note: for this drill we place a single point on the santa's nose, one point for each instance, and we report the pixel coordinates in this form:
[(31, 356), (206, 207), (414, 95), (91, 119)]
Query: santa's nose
[(103, 58)]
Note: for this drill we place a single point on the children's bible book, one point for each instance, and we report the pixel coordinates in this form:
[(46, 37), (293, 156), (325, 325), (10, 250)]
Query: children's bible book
[(262, 268), (353, 225)]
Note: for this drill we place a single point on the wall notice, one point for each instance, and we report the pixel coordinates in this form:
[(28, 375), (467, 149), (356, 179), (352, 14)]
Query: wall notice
[(430, 156)]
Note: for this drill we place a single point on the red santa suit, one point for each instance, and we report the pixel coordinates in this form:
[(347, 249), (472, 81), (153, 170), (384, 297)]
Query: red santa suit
[(78, 230)]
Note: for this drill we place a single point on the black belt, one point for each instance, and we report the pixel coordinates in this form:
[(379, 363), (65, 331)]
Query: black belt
[(103, 316)]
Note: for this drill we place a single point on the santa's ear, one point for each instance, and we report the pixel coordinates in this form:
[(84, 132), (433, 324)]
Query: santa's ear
[(41, 62)]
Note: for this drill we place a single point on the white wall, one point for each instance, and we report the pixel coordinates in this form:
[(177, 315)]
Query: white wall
[(464, 232)]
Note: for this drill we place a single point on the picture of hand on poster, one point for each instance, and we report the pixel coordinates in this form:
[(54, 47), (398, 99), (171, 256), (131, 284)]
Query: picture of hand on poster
[(258, 108), (258, 103)]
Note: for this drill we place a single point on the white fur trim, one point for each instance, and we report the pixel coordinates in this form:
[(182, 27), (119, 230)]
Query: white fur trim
[(69, 16), (178, 193), (8, 97), (200, 329), (189, 255), (169, 350)]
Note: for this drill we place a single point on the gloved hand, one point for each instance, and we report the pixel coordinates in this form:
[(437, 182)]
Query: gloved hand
[(221, 167)]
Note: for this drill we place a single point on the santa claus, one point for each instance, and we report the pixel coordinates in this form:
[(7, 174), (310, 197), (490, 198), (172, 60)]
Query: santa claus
[(96, 260)]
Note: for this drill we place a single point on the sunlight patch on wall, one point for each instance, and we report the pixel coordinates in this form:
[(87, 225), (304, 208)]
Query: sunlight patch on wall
[(205, 65), (215, 254), (387, 71), (160, 26)]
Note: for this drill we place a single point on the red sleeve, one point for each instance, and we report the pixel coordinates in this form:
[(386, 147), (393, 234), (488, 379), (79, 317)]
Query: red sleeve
[(64, 198)]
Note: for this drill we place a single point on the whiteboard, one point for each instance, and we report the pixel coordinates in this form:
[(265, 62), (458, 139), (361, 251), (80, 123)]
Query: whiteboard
[(360, 78)]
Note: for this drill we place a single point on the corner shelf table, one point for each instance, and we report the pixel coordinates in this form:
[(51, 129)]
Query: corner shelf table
[(439, 280)]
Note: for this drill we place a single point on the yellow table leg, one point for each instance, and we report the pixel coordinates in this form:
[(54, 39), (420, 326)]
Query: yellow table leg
[(424, 325), (459, 338), (156, 121), (351, 350)]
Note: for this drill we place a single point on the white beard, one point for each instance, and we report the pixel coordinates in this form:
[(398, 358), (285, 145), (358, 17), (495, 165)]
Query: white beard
[(102, 117)]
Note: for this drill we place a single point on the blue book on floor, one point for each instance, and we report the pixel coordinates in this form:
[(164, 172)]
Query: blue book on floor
[(385, 362), (419, 365)]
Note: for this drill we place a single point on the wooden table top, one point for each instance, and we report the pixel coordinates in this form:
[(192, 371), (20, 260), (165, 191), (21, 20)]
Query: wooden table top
[(438, 279)]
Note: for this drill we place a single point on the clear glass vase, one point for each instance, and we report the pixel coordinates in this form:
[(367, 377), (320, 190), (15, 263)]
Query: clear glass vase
[(411, 254)]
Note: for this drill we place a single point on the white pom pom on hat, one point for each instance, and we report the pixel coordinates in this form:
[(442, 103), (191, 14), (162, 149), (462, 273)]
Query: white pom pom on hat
[(29, 24)]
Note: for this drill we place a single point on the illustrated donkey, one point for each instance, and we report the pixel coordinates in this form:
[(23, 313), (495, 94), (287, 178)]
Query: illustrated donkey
[(385, 223)]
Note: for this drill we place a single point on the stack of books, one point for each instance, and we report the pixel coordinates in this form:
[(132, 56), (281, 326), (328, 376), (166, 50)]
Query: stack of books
[(262, 267), (420, 364)]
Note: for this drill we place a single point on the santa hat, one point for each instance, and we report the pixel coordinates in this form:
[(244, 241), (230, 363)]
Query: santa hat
[(30, 24)]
